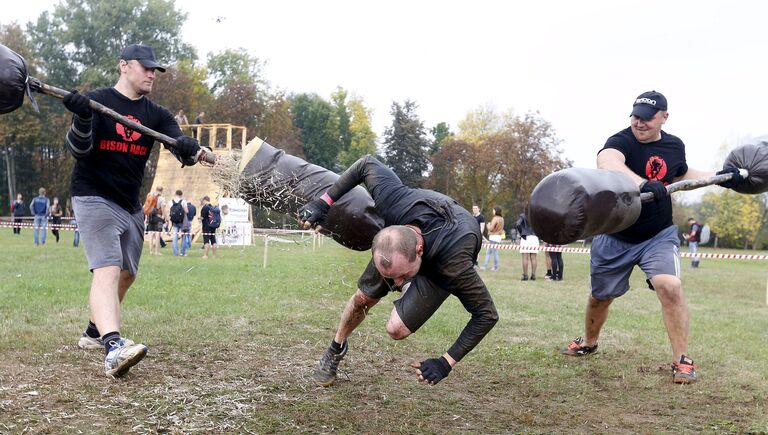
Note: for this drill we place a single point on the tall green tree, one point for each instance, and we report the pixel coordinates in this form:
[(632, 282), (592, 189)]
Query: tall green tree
[(277, 127), (406, 145), (363, 139), (343, 117), (80, 42), (440, 133), (235, 66), (31, 142), (317, 121)]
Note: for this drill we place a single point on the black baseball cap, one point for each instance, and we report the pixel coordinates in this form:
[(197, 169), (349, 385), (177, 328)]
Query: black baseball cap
[(647, 104), (142, 53)]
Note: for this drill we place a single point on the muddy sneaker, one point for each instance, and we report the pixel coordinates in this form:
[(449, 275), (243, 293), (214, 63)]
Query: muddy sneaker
[(577, 348), (90, 343), (684, 372), (122, 357), (325, 372)]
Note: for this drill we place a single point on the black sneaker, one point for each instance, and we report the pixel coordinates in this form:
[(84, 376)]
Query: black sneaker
[(325, 372), (524, 278), (577, 348), (533, 277)]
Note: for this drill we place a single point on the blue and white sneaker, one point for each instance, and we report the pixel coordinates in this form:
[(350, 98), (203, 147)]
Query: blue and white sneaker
[(90, 343), (122, 357)]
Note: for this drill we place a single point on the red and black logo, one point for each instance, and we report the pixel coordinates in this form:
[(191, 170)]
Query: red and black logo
[(127, 133), (655, 168)]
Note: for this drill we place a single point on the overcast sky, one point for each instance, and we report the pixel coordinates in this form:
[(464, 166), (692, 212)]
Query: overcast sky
[(579, 64)]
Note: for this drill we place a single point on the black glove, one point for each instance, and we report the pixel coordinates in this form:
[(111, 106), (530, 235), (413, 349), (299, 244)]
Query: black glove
[(77, 103), (435, 369), (734, 181), (656, 187), (187, 148), (314, 212)]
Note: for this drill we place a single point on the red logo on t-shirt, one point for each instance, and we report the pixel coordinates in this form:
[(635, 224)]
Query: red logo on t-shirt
[(656, 168), (128, 134)]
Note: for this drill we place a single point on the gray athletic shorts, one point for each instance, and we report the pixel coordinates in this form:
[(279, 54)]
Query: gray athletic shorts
[(612, 261), (111, 235)]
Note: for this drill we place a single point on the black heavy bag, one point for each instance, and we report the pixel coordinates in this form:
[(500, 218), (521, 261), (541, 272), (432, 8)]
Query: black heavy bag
[(754, 158), (576, 203), (13, 80), (284, 183)]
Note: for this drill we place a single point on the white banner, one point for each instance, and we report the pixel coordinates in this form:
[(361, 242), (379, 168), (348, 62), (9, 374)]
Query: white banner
[(236, 228)]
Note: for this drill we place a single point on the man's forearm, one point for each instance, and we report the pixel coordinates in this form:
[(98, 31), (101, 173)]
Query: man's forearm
[(474, 332), (348, 180), (79, 137)]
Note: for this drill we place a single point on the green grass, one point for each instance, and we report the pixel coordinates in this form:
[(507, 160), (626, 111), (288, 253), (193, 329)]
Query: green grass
[(232, 346)]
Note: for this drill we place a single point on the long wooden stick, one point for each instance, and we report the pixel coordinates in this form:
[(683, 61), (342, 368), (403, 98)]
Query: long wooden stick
[(692, 184), (53, 91)]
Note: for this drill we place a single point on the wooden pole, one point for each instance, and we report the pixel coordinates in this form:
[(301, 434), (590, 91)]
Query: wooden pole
[(266, 248)]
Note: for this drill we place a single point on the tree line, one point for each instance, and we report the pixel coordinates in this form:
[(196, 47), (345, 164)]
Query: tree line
[(489, 159)]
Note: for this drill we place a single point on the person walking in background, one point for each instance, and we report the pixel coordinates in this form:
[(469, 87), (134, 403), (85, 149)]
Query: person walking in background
[(18, 210), (186, 229), (177, 213), (41, 209), (208, 219), (110, 161), (56, 213), (495, 228), (529, 245), (693, 236)]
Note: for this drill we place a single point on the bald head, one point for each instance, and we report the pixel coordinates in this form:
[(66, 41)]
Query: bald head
[(397, 239)]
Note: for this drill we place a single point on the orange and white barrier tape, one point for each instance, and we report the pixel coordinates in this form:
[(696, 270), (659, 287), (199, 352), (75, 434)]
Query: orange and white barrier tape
[(587, 251)]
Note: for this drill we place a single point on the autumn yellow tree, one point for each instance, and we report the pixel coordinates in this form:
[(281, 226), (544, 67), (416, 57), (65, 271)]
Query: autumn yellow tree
[(735, 218), (496, 159)]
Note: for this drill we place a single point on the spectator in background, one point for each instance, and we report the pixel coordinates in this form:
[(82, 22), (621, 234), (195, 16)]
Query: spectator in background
[(693, 236), (548, 259), (177, 213), (41, 209), (153, 215), (529, 245), (199, 119), (56, 213), (495, 228), (18, 210), (181, 118), (209, 233), (557, 264)]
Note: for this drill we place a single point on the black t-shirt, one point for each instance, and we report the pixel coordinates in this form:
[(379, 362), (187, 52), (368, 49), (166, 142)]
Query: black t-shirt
[(663, 160), (115, 167)]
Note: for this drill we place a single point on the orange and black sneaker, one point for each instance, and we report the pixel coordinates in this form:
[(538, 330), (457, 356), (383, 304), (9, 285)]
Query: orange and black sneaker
[(684, 372), (577, 348)]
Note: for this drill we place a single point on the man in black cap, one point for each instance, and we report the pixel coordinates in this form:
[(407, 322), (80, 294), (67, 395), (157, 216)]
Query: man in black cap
[(653, 158), (106, 179)]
